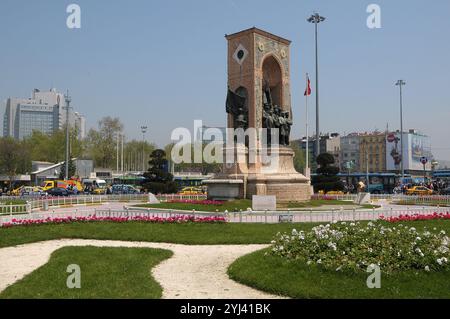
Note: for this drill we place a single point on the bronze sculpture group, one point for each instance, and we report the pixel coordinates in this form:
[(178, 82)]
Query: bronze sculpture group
[(273, 117)]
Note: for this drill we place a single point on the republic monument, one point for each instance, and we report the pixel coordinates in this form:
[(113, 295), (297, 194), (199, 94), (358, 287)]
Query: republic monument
[(259, 99)]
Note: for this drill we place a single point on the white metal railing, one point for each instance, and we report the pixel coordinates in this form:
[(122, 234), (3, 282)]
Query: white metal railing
[(241, 216), (442, 200), (414, 199), (39, 203), (14, 209)]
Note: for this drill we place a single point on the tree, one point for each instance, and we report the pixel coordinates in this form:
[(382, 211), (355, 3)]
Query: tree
[(101, 144), (52, 147), (326, 179), (159, 180), (299, 158), (14, 158), (203, 168), (136, 153), (72, 169)]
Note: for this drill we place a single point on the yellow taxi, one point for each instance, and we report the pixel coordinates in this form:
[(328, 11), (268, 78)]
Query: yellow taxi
[(190, 191), (335, 193), (419, 190)]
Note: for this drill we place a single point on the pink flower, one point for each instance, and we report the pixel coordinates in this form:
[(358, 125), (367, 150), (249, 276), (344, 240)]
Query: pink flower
[(94, 218), (416, 217)]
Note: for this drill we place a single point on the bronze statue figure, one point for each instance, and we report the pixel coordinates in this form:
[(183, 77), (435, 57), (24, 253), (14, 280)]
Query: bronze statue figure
[(273, 116), (236, 106)]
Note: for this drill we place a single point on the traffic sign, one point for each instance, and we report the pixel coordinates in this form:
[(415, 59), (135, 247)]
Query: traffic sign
[(391, 138), (424, 160)]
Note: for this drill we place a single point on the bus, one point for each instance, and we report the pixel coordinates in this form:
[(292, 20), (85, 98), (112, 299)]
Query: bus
[(442, 175), (379, 183)]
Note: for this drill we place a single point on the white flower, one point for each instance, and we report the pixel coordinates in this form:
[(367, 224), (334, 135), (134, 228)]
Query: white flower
[(332, 246), (418, 238), (319, 261), (442, 261), (427, 268), (443, 249), (339, 268)]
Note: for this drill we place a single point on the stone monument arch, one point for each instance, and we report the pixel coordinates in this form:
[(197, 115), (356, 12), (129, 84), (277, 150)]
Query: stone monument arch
[(259, 98)]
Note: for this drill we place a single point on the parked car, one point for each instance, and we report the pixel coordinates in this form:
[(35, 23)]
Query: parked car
[(32, 191), (124, 189), (58, 191), (419, 190)]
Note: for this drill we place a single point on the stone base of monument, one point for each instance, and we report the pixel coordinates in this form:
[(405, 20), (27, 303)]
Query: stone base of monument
[(275, 175), (225, 189), (278, 177)]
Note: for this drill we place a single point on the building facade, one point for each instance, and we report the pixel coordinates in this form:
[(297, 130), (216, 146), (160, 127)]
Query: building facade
[(372, 152), (350, 152), (329, 143), (43, 112), (415, 146)]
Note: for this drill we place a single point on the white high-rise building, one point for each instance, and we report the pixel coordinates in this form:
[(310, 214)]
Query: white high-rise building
[(44, 111)]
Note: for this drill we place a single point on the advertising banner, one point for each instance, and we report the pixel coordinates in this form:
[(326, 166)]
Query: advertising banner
[(415, 146)]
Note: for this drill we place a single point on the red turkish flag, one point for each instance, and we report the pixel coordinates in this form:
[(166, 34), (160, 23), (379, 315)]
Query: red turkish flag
[(308, 88)]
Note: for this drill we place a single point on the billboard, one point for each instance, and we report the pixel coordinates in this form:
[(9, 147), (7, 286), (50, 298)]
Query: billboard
[(415, 146)]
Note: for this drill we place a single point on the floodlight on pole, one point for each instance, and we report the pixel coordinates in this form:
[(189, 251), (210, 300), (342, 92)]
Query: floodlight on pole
[(316, 19), (401, 83), (68, 99)]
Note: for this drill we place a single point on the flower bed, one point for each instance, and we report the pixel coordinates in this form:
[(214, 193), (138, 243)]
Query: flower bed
[(94, 218), (416, 217), (354, 246), (324, 197), (197, 202)]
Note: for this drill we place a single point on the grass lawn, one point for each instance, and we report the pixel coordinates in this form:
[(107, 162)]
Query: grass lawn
[(297, 280), (244, 204), (189, 234), (114, 270), (6, 201), (231, 206), (105, 273), (412, 202), (194, 234)]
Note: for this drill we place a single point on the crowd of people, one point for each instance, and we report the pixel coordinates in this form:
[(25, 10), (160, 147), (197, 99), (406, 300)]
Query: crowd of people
[(436, 186)]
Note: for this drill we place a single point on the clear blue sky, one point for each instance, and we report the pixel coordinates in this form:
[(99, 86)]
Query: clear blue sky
[(163, 63)]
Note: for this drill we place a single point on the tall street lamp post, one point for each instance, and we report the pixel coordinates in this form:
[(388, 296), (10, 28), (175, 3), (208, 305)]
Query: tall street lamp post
[(68, 99), (143, 130), (401, 83), (316, 19)]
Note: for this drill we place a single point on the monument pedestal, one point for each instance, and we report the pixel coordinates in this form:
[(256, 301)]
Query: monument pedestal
[(279, 178), (273, 175)]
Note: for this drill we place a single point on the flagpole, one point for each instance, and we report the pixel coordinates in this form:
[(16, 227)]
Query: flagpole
[(307, 133)]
